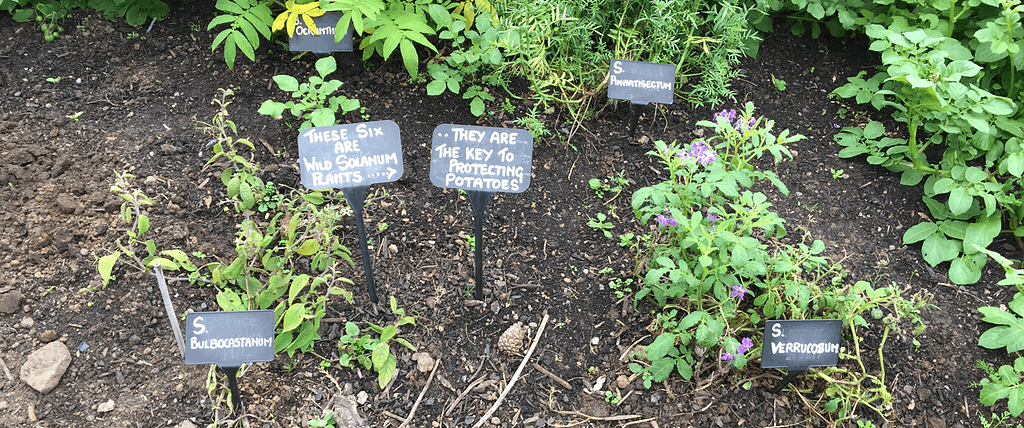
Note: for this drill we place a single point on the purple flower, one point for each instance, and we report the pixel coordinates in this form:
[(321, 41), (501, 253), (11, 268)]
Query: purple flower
[(727, 356), (835, 125), (738, 291), (745, 345), (712, 217), (728, 115), (702, 152), (666, 220), (744, 126)]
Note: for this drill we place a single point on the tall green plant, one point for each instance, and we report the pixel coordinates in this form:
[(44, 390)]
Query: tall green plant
[(314, 101), (248, 21)]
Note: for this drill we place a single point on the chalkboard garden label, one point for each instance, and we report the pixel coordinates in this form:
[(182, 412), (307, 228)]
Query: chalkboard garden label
[(353, 155), (481, 158), (229, 338), (799, 344), (481, 161), (305, 39), (641, 82)]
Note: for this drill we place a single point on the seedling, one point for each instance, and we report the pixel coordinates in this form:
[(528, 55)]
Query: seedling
[(601, 224), (780, 85), (53, 79), (75, 116), (836, 173)]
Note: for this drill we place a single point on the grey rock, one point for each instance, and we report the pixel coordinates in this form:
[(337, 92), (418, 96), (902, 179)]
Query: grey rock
[(10, 301), (345, 413), (44, 367), (106, 407), (186, 424)]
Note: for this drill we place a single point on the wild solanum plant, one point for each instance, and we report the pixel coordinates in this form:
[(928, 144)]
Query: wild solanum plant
[(314, 102), (374, 353), (715, 269), (247, 20)]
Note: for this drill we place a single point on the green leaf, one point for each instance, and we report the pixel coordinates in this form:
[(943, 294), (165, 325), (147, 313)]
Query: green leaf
[(992, 392), (959, 201), (937, 249), (982, 232), (326, 65), (298, 284), (386, 371), (661, 369), (293, 317), (286, 83), (662, 345), (380, 355), (873, 130), (684, 369), (919, 232), (388, 333), (966, 269), (106, 266), (309, 247)]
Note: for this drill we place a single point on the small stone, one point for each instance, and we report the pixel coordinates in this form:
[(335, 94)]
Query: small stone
[(151, 181), (27, 322), (622, 381), (106, 407), (495, 421), (10, 301), (48, 336), (186, 424), (44, 367), (66, 204)]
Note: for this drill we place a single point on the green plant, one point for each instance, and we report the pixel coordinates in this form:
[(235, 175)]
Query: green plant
[(247, 20), (474, 51), (612, 397), (74, 116), (326, 421), (621, 287), (996, 421), (836, 173), (241, 178), (53, 79), (471, 240), (612, 184), (374, 353), (382, 226), (600, 223), (133, 215), (1005, 383), (780, 85), (314, 102), (715, 242), (533, 124)]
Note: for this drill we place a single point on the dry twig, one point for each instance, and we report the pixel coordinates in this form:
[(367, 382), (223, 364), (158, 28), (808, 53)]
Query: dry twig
[(422, 393), (515, 377)]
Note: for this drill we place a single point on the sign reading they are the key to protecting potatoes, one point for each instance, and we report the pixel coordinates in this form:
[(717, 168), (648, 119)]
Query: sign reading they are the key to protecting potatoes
[(799, 344), (641, 82), (229, 338), (353, 155), (481, 158)]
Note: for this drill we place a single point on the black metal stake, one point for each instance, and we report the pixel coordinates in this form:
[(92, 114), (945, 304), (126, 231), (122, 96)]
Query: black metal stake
[(236, 395), (356, 196), (793, 373), (479, 200), (637, 109)]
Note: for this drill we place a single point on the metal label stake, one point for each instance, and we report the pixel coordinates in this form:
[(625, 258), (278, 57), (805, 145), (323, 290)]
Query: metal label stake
[(479, 201), (356, 197)]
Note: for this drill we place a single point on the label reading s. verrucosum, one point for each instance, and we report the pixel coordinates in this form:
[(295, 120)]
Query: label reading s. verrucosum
[(229, 338), (799, 344), (323, 41), (481, 158), (641, 82), (353, 155)]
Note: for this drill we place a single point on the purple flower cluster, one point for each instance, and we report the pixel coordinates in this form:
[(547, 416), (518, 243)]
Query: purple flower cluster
[(745, 346), (731, 118), (665, 220), (712, 217), (738, 291), (700, 151)]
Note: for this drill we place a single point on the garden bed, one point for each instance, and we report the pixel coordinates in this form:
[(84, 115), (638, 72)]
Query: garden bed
[(106, 97)]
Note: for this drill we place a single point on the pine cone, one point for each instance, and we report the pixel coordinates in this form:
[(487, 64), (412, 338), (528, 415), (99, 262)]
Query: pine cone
[(511, 341)]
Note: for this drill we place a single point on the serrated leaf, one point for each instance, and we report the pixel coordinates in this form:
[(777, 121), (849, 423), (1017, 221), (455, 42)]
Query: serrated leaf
[(661, 346)]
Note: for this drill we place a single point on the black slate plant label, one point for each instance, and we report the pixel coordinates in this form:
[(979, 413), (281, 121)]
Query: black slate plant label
[(229, 338), (352, 155), (305, 40), (641, 82), (799, 344), (478, 158)]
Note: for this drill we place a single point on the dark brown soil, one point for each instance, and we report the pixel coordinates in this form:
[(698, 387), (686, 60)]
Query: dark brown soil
[(140, 100)]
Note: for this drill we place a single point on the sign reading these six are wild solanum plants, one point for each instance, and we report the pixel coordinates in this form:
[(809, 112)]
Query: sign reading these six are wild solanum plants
[(350, 158), (481, 161)]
